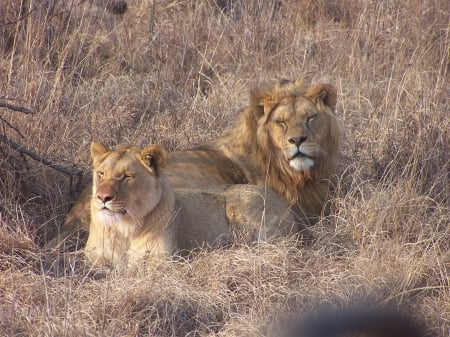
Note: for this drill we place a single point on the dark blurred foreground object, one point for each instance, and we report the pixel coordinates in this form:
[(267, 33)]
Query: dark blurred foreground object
[(358, 322)]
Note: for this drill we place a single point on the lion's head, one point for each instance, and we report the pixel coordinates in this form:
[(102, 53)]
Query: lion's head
[(126, 185), (298, 126), (288, 139)]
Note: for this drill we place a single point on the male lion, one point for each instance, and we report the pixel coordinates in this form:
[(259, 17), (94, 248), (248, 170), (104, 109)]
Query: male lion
[(136, 213), (287, 140)]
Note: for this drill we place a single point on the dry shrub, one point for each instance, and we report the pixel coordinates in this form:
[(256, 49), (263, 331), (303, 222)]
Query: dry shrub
[(176, 73)]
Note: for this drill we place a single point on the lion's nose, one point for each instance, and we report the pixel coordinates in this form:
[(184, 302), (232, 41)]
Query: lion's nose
[(297, 140), (105, 197)]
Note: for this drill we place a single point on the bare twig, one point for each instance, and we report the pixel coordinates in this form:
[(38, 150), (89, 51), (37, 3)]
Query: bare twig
[(9, 125), (22, 150), (16, 108)]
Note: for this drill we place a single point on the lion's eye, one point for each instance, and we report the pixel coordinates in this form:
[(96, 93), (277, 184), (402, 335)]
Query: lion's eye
[(100, 174), (281, 122), (310, 119), (128, 176)]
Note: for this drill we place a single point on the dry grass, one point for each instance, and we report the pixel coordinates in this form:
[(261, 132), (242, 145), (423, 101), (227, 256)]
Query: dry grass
[(176, 73)]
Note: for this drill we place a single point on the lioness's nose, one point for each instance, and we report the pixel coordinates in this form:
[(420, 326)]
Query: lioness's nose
[(297, 140), (105, 197)]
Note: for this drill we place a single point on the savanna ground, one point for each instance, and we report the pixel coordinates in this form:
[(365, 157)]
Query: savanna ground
[(177, 73)]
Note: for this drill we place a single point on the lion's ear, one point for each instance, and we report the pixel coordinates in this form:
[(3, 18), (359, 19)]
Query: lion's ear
[(154, 156), (268, 102), (265, 95), (323, 94), (97, 149)]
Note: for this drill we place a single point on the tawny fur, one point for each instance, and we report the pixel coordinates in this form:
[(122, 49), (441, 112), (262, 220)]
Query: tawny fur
[(136, 213)]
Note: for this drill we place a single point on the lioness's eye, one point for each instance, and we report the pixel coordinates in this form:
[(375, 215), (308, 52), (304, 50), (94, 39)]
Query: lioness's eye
[(100, 174), (280, 122)]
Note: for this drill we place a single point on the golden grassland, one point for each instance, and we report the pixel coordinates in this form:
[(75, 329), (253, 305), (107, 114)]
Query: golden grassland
[(176, 73)]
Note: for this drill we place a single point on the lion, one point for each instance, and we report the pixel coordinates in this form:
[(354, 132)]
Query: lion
[(135, 212), (287, 140)]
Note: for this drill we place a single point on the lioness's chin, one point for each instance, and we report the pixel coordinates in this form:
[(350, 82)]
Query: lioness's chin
[(108, 217), (301, 164)]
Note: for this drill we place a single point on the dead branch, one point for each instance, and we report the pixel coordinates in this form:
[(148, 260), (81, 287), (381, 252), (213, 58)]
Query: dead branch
[(12, 127), (16, 108), (22, 150)]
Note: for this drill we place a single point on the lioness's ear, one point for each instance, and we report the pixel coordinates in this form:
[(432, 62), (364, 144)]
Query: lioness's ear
[(97, 149), (154, 156), (323, 94)]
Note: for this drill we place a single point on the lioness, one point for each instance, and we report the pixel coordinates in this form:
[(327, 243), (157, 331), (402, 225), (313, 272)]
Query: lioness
[(287, 140), (135, 212)]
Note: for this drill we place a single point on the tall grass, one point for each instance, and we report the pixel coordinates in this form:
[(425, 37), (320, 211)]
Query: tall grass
[(177, 73)]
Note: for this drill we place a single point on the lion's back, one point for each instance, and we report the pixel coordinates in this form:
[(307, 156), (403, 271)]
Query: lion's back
[(202, 168)]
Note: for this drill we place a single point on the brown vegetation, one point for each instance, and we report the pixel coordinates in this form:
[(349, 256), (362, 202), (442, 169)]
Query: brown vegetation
[(173, 72)]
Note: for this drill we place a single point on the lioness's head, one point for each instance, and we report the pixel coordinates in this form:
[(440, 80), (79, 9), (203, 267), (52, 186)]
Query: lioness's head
[(297, 125), (126, 184)]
